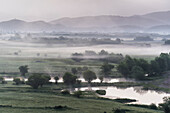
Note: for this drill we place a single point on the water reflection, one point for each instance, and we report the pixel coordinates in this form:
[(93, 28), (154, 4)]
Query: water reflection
[(142, 96)]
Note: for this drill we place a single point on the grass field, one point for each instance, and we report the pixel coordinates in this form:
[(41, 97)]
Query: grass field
[(24, 99), (41, 65)]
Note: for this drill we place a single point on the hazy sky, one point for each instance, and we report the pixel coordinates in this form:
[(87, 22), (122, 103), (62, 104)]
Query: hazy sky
[(53, 9)]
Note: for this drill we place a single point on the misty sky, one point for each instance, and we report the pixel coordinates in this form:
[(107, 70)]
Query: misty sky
[(48, 10)]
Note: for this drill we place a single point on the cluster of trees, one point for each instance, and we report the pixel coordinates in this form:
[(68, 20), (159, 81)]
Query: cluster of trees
[(18, 81), (78, 70), (69, 78), (106, 69), (165, 105), (140, 68), (143, 38), (38, 80), (102, 55)]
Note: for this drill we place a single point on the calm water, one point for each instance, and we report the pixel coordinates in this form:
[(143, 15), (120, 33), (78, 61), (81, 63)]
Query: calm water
[(111, 80), (142, 96)]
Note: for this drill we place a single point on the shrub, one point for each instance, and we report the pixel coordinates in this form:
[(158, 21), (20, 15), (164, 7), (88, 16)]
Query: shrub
[(153, 106), (65, 92), (17, 81), (124, 100), (101, 92), (77, 94)]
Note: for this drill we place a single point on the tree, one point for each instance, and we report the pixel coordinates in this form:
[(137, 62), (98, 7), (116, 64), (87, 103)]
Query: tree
[(106, 69), (138, 73), (165, 105), (154, 68), (69, 79), (56, 78), (143, 64), (89, 76), (123, 69), (103, 53), (74, 71), (44, 79), (101, 79), (37, 80), (23, 70), (85, 68)]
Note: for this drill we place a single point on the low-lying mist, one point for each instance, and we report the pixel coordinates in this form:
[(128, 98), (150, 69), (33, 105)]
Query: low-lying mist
[(22, 49)]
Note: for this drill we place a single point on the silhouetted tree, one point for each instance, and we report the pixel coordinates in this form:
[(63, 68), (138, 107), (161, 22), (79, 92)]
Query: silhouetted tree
[(89, 76), (56, 78), (37, 80), (101, 79), (69, 79), (74, 71), (23, 70)]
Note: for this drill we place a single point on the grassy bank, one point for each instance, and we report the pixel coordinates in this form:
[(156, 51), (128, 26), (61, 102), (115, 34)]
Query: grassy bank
[(23, 99)]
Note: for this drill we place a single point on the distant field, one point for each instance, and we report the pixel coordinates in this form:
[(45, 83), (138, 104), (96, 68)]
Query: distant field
[(10, 65), (146, 57)]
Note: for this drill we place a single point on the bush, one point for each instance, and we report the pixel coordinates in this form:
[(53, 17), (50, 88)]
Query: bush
[(101, 92), (4, 82), (65, 92), (153, 106), (78, 82), (119, 110), (77, 94), (124, 100), (17, 81)]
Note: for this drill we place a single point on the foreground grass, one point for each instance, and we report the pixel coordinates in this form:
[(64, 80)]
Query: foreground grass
[(23, 99)]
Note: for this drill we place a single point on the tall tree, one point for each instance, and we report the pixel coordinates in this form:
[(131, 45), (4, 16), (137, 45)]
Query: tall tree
[(74, 70), (56, 78), (23, 70), (89, 76), (69, 79)]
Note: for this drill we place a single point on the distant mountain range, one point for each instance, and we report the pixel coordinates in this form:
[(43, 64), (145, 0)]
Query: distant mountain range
[(152, 22)]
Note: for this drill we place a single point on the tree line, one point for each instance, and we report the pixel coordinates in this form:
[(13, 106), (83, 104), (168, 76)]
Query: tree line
[(37, 80), (141, 69)]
